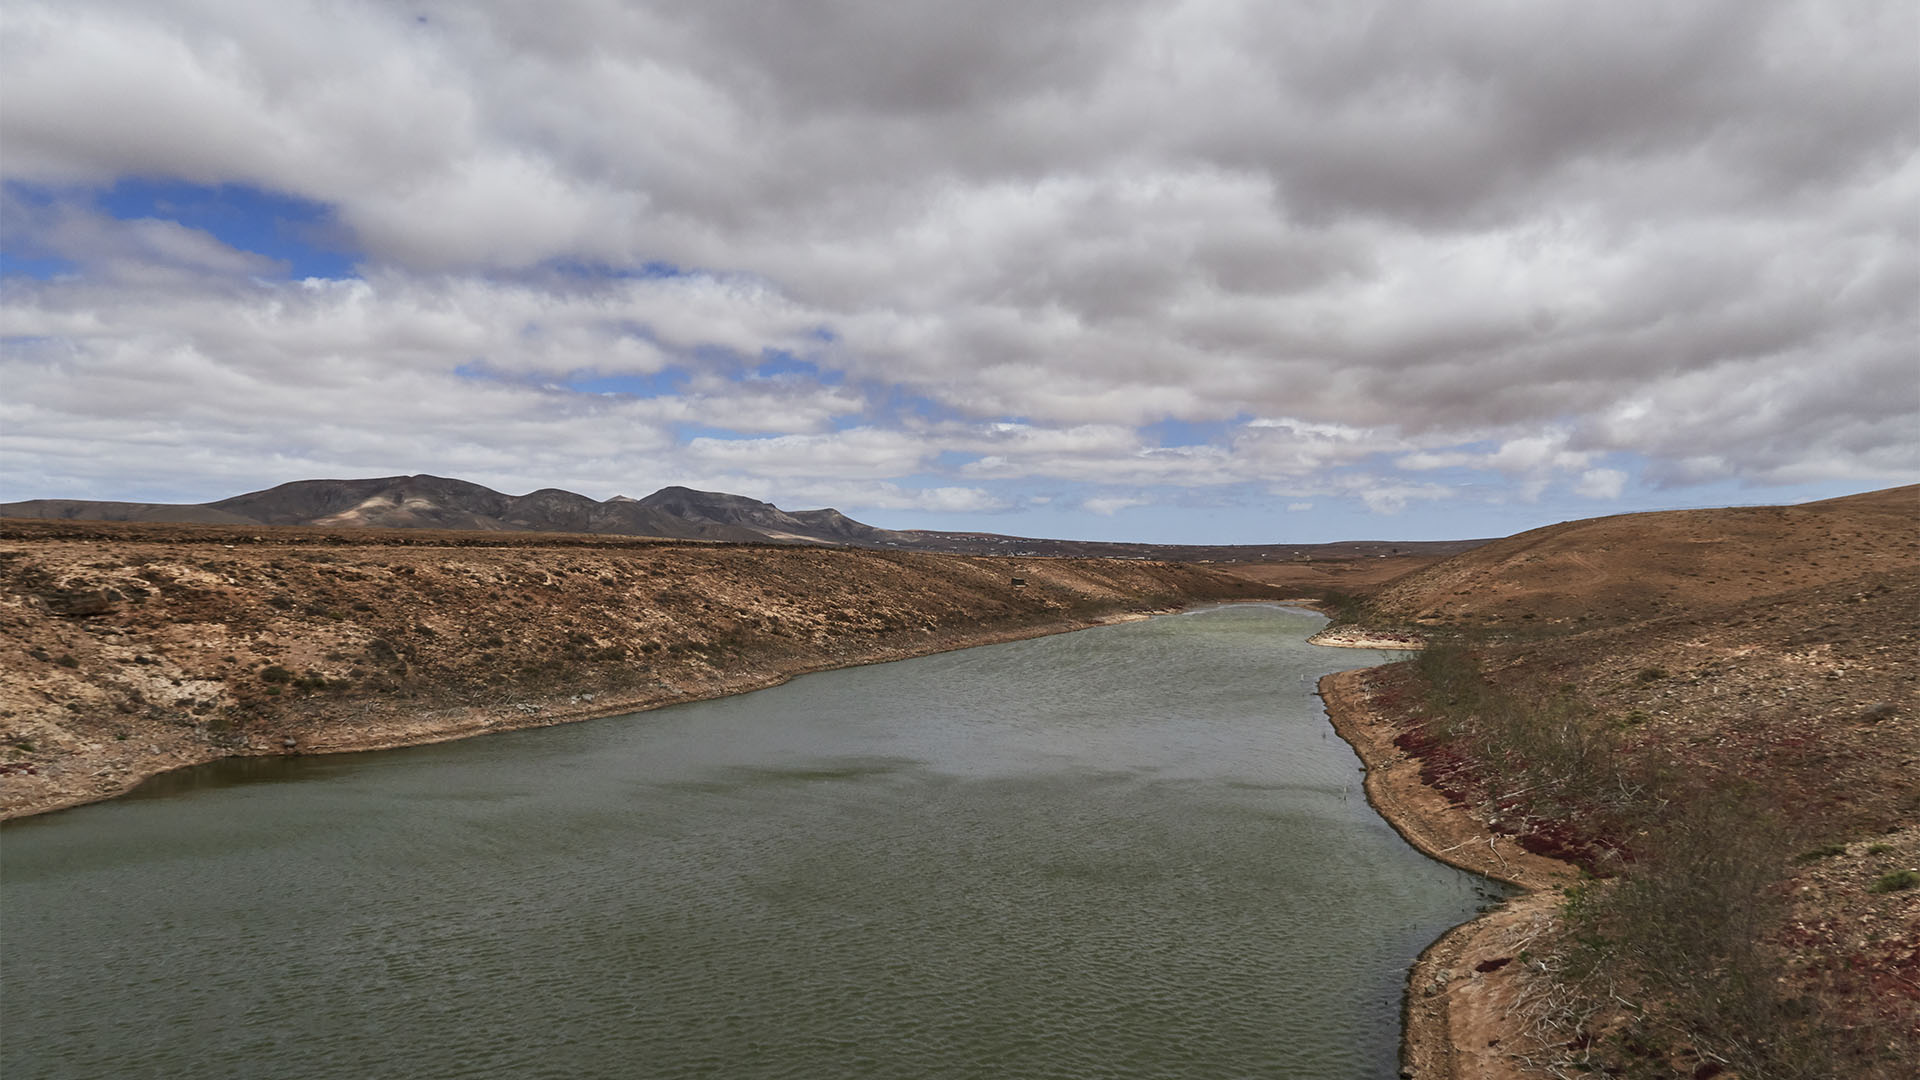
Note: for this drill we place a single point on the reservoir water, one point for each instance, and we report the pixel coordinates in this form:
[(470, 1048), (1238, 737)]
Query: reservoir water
[(1135, 851)]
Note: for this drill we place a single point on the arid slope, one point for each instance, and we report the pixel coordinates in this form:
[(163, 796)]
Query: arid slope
[(127, 649), (1633, 567), (1647, 695)]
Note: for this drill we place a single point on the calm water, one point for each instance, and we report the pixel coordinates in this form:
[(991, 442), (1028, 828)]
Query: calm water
[(1137, 851)]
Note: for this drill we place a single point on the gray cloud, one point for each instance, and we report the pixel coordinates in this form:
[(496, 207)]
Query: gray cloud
[(1685, 234)]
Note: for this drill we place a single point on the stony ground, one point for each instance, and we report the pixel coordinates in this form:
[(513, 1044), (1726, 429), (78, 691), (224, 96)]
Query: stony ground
[(127, 650), (1767, 658)]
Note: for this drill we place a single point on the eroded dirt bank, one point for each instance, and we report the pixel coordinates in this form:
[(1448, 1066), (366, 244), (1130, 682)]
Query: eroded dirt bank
[(133, 650), (1467, 1015)]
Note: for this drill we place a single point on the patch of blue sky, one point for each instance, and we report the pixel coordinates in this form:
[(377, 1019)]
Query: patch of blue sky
[(954, 459), (301, 233), (662, 383), (38, 267), (21, 255), (1451, 476), (1646, 492), (1171, 433), (593, 270), (778, 362), (688, 432)]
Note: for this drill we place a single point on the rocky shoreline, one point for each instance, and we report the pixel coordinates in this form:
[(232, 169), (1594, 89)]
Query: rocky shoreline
[(379, 728), (1350, 638), (132, 651), (1466, 1015)]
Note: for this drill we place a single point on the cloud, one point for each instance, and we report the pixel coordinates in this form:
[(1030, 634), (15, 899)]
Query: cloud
[(992, 243), (1601, 483), (1109, 505)]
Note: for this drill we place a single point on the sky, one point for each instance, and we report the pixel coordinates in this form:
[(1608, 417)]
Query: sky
[(1203, 271)]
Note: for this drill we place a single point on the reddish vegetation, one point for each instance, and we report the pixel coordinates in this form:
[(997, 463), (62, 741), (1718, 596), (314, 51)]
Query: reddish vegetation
[(1760, 659)]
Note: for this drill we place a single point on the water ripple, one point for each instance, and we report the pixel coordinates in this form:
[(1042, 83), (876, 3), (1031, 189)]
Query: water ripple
[(1125, 853)]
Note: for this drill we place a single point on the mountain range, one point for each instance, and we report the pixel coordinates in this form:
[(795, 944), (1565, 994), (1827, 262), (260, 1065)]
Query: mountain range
[(677, 513)]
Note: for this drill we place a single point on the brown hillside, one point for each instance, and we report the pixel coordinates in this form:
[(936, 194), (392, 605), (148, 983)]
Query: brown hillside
[(129, 649), (1614, 570), (1324, 577), (1718, 711)]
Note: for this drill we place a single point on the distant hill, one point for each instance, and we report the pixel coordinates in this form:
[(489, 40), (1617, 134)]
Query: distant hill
[(435, 502), (1630, 567), (675, 513)]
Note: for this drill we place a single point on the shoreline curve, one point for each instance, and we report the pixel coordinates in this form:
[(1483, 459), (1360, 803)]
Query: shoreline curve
[(1464, 1011), (428, 726)]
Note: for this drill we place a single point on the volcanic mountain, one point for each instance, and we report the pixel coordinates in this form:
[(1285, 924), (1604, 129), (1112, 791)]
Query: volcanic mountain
[(434, 502), (677, 513)]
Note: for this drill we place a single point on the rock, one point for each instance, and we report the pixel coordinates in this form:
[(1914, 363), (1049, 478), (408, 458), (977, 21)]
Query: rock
[(80, 603)]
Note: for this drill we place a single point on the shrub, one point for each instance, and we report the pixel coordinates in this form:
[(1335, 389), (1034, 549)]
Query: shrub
[(1824, 851), (1895, 882), (276, 674), (1686, 919), (1343, 608)]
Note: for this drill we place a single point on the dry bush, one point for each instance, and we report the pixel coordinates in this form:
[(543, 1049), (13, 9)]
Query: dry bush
[(1676, 944)]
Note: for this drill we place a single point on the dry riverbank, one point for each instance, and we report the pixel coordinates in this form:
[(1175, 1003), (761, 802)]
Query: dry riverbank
[(128, 651), (1467, 999)]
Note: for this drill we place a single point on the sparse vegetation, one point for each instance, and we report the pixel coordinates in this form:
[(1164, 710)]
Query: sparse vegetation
[(1687, 923), (1688, 900), (1343, 608), (1897, 881), (1746, 670)]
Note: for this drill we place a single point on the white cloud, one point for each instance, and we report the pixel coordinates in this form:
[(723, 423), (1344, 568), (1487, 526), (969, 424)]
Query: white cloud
[(1005, 238), (1601, 483)]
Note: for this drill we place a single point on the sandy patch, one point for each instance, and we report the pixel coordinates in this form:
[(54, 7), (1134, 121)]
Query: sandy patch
[(1367, 639)]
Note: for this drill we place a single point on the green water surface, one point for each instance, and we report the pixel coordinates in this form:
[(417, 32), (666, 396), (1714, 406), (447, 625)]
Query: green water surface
[(1136, 851)]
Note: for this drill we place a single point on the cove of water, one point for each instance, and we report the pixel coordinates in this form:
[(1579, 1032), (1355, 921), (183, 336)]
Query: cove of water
[(1135, 851)]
